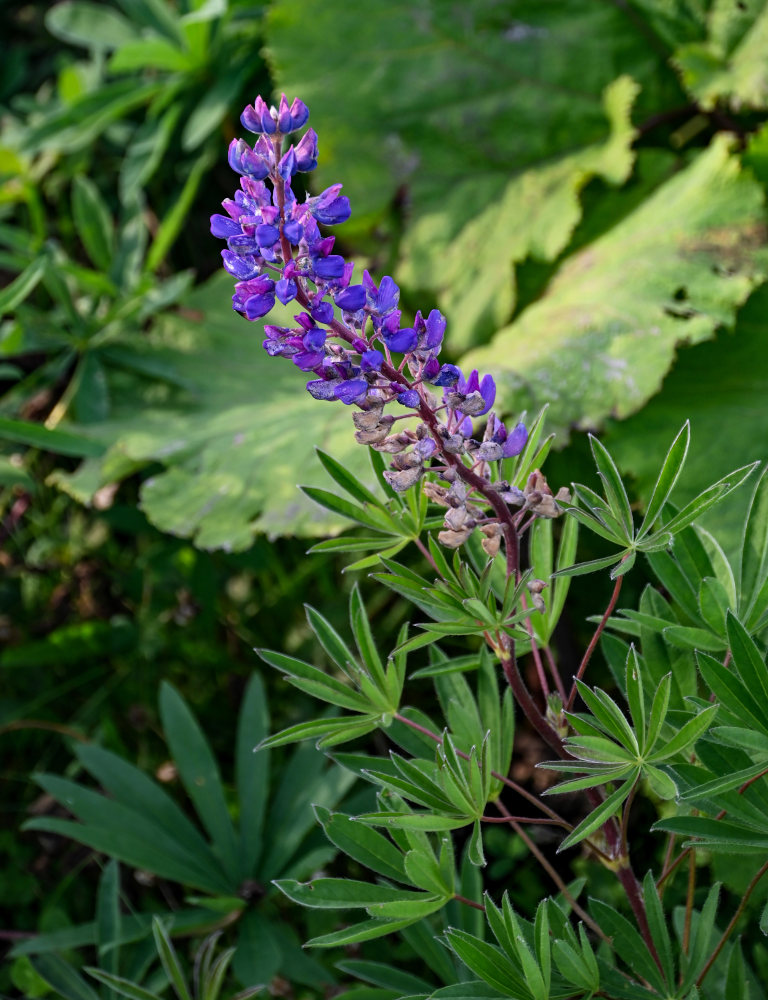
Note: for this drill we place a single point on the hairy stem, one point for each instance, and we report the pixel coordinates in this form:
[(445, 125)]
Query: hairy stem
[(526, 702)]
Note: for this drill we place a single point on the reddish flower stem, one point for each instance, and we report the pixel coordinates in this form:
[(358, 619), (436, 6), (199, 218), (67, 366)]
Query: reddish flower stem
[(593, 643)]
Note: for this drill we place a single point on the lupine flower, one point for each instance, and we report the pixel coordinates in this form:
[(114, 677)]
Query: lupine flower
[(346, 333)]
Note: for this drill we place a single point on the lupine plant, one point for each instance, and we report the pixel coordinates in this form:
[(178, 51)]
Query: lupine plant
[(687, 727)]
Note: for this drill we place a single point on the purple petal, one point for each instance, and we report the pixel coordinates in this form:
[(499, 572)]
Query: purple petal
[(402, 341), (351, 299), (285, 290), (516, 441), (435, 330), (323, 388), (371, 361), (328, 267), (322, 312), (241, 268), (224, 227), (488, 392), (409, 398), (266, 235), (287, 165), (349, 392), (306, 152), (299, 114), (259, 305), (334, 212), (293, 231)]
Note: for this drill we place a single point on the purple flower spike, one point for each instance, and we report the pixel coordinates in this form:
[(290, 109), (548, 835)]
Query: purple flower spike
[(516, 441), (351, 299), (306, 152), (285, 290), (409, 398), (352, 390)]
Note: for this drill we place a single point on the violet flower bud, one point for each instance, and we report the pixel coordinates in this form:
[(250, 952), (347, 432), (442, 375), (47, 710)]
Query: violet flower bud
[(371, 361), (409, 398), (516, 441), (448, 376), (306, 152)]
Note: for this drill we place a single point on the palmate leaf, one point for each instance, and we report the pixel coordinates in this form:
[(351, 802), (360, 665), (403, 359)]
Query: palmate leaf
[(232, 445), (604, 334)]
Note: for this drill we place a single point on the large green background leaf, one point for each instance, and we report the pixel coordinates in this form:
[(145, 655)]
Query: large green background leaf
[(232, 448), (479, 109), (603, 335), (722, 386)]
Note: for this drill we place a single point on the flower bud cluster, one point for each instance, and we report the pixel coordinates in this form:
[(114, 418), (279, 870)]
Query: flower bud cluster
[(350, 338)]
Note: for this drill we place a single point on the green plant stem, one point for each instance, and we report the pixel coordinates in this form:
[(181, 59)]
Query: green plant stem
[(729, 929), (593, 643)]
